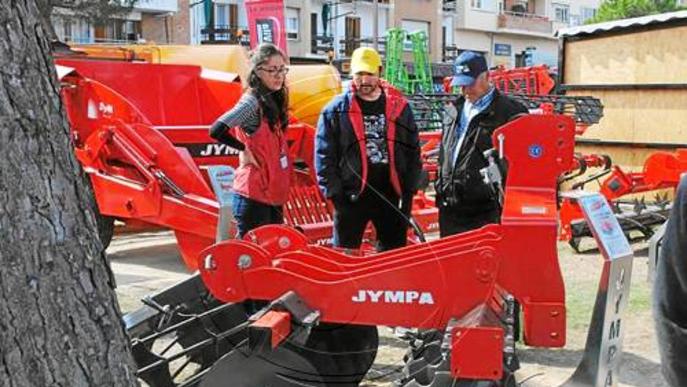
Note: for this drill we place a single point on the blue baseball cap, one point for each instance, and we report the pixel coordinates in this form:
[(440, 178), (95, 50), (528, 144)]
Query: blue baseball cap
[(467, 67)]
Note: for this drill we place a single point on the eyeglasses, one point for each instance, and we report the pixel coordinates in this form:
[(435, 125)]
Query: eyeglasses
[(274, 71)]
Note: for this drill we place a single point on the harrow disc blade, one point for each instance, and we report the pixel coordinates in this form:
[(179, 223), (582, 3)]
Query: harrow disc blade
[(280, 368), (342, 354), (334, 354), (426, 365)]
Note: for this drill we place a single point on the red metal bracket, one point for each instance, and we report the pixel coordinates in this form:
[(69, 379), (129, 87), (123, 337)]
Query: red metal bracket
[(485, 341), (273, 327)]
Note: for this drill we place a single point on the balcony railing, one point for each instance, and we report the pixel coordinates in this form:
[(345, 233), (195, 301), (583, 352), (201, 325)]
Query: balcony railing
[(525, 21), (225, 35), (348, 45), (449, 53), (320, 44)]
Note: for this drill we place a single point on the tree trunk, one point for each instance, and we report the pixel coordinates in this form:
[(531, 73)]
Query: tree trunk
[(60, 323)]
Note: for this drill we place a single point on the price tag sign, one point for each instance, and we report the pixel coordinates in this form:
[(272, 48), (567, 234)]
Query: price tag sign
[(605, 226), (222, 180)]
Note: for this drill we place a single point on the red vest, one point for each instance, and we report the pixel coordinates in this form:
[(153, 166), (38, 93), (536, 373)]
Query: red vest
[(395, 103), (269, 181)]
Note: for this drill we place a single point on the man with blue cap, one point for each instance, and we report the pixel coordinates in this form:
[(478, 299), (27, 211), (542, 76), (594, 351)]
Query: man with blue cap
[(465, 201)]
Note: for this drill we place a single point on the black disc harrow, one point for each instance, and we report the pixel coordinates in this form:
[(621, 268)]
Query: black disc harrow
[(637, 219), (427, 364), (434, 111), (181, 332), (334, 355), (184, 337)]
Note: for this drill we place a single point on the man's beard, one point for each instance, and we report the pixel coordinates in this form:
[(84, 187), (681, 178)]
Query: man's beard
[(366, 89)]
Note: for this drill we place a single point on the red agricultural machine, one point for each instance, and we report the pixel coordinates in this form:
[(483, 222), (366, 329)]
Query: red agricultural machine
[(661, 171), (275, 310), (280, 309), (533, 80), (141, 132)]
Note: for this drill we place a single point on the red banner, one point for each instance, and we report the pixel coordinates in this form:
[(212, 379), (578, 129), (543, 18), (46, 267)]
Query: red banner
[(266, 23)]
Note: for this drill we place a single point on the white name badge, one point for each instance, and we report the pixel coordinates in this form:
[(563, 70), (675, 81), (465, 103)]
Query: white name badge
[(284, 160)]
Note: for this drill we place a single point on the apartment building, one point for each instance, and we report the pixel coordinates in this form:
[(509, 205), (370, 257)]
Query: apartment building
[(517, 32), (230, 22), (148, 17), (508, 32), (315, 28)]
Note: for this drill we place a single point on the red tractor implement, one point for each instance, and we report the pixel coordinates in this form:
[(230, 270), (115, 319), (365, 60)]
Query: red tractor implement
[(146, 154), (534, 80), (283, 312), (141, 133), (280, 309), (661, 171)]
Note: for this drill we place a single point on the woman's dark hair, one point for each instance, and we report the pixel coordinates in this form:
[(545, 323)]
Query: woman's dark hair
[(274, 104)]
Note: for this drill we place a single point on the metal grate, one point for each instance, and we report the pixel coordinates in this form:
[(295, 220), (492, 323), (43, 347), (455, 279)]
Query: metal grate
[(433, 111)]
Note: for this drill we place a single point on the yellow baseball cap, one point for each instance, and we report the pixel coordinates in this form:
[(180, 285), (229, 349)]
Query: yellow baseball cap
[(365, 59)]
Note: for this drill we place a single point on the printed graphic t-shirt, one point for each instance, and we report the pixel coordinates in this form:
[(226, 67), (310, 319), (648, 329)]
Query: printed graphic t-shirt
[(374, 121)]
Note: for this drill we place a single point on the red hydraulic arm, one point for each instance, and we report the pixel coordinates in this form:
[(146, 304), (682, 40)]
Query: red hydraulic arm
[(136, 172), (469, 270)]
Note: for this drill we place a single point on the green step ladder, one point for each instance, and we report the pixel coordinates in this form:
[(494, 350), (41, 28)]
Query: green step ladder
[(422, 79), (394, 69)]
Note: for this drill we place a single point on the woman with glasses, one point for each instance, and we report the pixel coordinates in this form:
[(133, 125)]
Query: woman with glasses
[(256, 127)]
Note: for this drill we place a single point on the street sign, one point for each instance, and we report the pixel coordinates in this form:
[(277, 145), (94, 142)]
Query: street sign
[(501, 49)]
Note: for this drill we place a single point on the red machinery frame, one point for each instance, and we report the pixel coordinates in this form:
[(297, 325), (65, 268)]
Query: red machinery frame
[(146, 153), (471, 270)]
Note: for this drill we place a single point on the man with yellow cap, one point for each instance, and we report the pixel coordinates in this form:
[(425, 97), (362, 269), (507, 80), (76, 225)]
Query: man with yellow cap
[(367, 157)]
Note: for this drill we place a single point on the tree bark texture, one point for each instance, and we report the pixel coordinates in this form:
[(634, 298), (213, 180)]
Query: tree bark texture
[(60, 323)]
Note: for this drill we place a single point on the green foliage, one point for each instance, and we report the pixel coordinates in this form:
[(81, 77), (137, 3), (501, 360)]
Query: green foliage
[(624, 9)]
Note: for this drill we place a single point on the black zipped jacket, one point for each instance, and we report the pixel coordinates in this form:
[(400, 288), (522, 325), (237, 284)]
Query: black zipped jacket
[(670, 292), (340, 155), (461, 186)]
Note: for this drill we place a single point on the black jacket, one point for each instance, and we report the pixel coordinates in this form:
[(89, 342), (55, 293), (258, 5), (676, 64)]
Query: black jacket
[(670, 292), (461, 186), (340, 160)]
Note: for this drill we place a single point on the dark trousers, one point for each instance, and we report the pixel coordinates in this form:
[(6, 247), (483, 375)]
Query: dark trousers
[(455, 220), (351, 218), (250, 214)]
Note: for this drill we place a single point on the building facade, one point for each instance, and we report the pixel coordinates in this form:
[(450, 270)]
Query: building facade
[(154, 18), (509, 32), (517, 32)]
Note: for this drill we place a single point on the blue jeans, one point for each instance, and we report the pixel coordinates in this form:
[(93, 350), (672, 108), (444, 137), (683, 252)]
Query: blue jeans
[(250, 214)]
